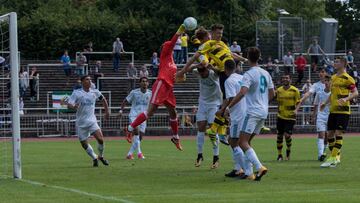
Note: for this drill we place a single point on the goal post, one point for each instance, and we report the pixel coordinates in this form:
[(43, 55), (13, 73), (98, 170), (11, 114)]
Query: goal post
[(12, 45)]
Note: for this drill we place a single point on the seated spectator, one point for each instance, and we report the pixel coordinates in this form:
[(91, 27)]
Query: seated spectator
[(270, 67), (235, 48), (80, 64), (350, 59), (300, 68), (143, 72)]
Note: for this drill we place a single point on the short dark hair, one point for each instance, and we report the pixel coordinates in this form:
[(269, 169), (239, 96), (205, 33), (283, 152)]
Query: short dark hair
[(230, 65), (217, 26), (84, 76), (201, 33), (327, 77), (142, 78), (253, 54)]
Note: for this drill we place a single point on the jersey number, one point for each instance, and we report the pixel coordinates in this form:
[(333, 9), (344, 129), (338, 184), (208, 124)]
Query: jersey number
[(263, 84)]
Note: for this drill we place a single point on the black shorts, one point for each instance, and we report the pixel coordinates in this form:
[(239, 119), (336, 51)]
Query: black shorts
[(222, 79), (315, 59), (284, 126), (338, 121)]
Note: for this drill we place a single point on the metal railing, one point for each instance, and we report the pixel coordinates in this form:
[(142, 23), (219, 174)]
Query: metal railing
[(106, 53)]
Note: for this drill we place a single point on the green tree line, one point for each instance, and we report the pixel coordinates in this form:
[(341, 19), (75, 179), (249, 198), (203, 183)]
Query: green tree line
[(47, 27)]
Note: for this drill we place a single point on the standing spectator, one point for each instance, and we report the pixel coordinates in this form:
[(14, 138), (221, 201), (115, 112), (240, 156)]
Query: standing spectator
[(270, 67), (78, 84), (235, 48), (177, 51), (80, 64), (288, 62), (88, 48), (314, 49), (155, 61), (23, 82), (350, 59), (307, 102), (98, 73), (131, 74), (300, 68), (118, 48), (143, 72), (184, 47), (65, 60), (34, 83)]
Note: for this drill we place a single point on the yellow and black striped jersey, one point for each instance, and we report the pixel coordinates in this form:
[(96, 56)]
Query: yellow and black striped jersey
[(287, 100), (217, 51), (341, 87)]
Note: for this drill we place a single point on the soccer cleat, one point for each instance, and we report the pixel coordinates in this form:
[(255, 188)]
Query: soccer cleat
[(280, 157), (177, 143), (95, 163), (103, 161), (128, 135), (215, 163), (265, 129), (262, 171), (199, 160), (130, 157), (338, 159), (235, 173), (322, 157), (141, 156), (331, 161), (248, 177), (287, 155), (223, 139)]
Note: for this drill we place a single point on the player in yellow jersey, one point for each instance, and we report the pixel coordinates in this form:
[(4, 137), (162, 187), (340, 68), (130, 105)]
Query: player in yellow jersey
[(288, 97), (343, 90)]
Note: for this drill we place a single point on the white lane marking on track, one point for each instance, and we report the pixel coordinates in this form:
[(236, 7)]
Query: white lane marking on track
[(111, 198)]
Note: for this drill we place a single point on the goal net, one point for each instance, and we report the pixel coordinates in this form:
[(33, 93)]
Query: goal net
[(9, 114)]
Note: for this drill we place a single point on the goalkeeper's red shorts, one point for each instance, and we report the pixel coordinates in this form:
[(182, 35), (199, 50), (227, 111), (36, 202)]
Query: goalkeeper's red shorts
[(162, 94)]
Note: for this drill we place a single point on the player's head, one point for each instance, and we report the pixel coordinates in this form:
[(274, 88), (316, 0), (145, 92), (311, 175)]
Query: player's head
[(340, 63), (286, 79), (86, 81), (217, 31), (322, 73), (144, 83), (253, 54), (202, 34), (203, 71), (230, 67), (327, 81)]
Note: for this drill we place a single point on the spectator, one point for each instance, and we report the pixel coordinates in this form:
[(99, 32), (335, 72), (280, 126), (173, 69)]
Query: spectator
[(314, 49), (118, 48), (177, 51), (143, 72), (270, 67), (80, 64), (184, 47), (65, 60), (350, 59), (288, 61), (21, 106), (34, 83), (308, 102), (87, 50), (300, 68), (78, 84), (155, 61), (235, 48), (131, 74), (98, 73), (196, 42), (23, 82)]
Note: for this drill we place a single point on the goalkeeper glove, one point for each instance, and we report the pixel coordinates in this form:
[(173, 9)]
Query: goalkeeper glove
[(181, 29)]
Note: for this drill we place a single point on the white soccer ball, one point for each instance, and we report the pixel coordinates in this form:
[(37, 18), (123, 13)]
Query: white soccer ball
[(190, 23)]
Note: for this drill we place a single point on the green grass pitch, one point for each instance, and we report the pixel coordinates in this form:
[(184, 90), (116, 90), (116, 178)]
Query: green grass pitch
[(60, 171)]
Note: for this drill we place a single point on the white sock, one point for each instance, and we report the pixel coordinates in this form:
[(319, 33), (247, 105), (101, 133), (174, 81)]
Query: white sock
[(200, 139), (239, 156), (237, 165), (89, 150), (100, 148), (137, 140), (248, 167), (251, 155), (176, 136), (216, 148), (133, 146), (320, 145), (130, 128)]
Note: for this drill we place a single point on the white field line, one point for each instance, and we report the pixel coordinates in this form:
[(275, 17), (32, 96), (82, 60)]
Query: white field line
[(111, 198)]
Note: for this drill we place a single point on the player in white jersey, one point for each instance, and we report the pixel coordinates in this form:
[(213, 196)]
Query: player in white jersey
[(258, 89), (139, 99), (209, 102), (322, 118), (83, 101)]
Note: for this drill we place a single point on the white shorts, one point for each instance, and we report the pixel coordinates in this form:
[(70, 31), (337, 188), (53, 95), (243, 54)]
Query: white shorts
[(235, 128), (321, 125), (141, 127), (84, 133), (206, 112), (252, 124)]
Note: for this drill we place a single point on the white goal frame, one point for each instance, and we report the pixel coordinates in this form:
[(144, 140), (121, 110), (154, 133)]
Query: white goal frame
[(11, 18)]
